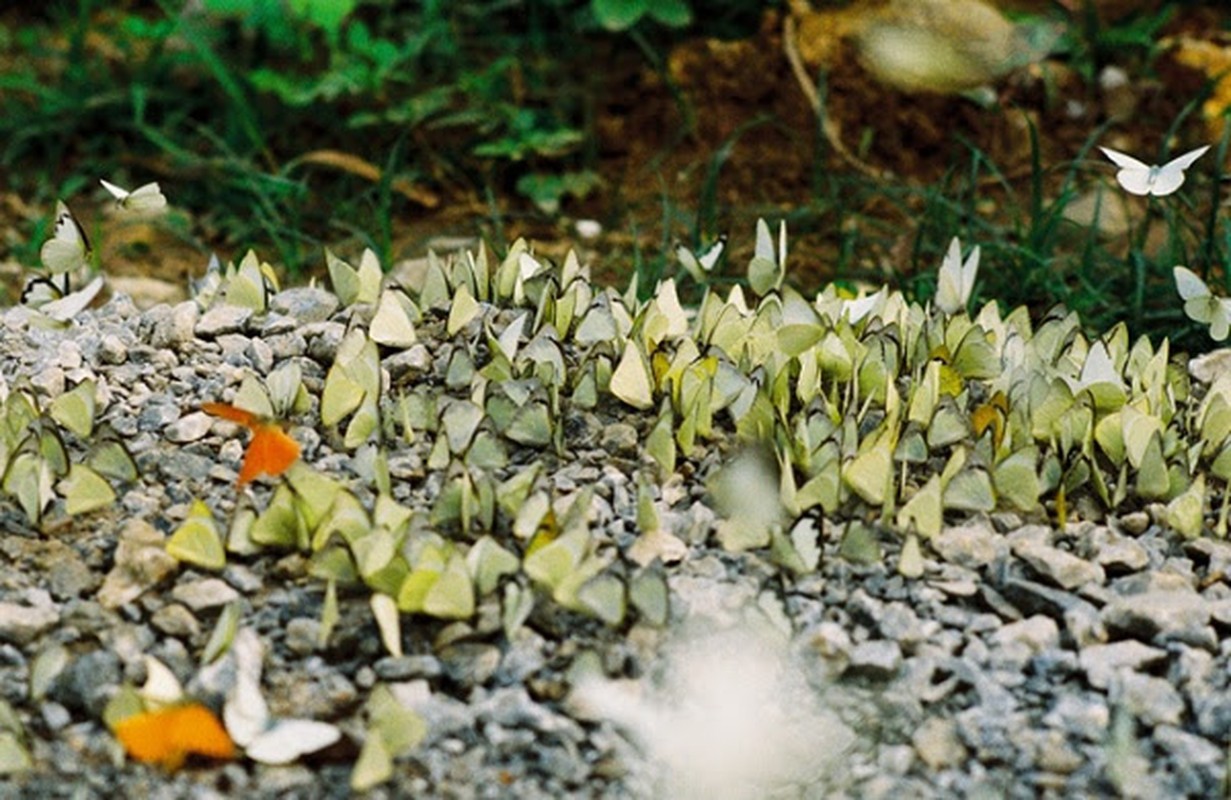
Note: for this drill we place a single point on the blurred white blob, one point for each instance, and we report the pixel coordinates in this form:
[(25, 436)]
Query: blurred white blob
[(729, 714)]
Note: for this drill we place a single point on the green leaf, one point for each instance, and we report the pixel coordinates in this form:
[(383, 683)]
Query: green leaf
[(619, 15)]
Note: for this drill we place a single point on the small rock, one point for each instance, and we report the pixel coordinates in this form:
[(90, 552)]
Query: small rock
[(1149, 613), (938, 744), (470, 663), (971, 545), (55, 716), (175, 328), (175, 620), (22, 624), (140, 562), (879, 659), (88, 682), (1102, 661), (1036, 634), (222, 318), (1062, 568), (204, 593), (69, 577), (302, 634), (1083, 714), (619, 438), (401, 668), (1152, 700), (306, 304), (1054, 753), (189, 428)]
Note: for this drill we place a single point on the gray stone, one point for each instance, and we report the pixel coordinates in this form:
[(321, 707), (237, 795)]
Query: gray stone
[(1084, 714), (175, 620), (175, 327), (112, 350), (1147, 614), (619, 438), (1032, 635), (1117, 554), (470, 663), (302, 634), (971, 545), (1102, 661), (189, 428), (55, 716), (222, 319), (1152, 700), (22, 624), (1204, 761), (88, 682), (306, 304), (879, 659), (1060, 567), (141, 561), (204, 593), (401, 668)]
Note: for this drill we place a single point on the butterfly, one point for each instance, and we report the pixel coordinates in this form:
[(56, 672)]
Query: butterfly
[(68, 249), (1139, 178), (169, 735), (956, 280), (53, 300), (698, 264), (1201, 305), (271, 451), (144, 198)]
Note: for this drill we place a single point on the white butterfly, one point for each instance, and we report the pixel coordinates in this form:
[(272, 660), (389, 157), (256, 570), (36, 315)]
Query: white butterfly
[(54, 301), (956, 279), (698, 264), (68, 249), (1139, 178), (144, 198), (1203, 306)]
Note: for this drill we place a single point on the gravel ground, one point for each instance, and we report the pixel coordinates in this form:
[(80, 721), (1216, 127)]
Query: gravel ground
[(1024, 662)]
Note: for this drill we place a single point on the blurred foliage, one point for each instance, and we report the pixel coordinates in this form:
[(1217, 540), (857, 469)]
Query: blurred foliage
[(225, 95)]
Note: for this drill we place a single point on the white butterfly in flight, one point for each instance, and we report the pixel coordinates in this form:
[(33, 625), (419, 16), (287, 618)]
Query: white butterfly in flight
[(1139, 178), (144, 198), (1202, 305)]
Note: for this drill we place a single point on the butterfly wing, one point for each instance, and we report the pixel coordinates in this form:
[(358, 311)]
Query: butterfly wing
[(195, 729), (146, 198), (1188, 284), (949, 280), (1170, 176), (119, 194), (41, 290), (271, 452), (233, 414), (68, 249), (1187, 160), (1134, 176), (1220, 325), (69, 306)]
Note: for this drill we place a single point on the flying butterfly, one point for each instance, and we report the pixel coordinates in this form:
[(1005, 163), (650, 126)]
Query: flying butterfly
[(1140, 178), (271, 451), (169, 735), (1201, 305), (144, 198), (68, 249)]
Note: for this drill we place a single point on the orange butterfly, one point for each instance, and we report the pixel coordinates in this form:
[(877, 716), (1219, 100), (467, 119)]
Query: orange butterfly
[(271, 451), (169, 735)]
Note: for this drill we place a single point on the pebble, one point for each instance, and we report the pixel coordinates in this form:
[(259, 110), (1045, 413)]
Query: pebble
[(878, 659), (189, 428), (1149, 613), (1060, 567), (937, 743), (22, 624), (1102, 661), (205, 593), (222, 319), (306, 304)]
